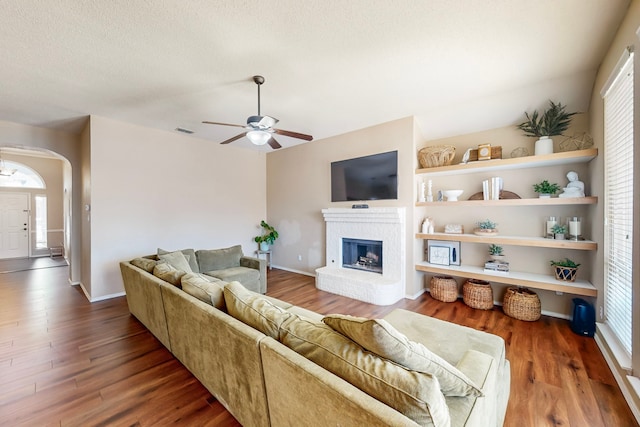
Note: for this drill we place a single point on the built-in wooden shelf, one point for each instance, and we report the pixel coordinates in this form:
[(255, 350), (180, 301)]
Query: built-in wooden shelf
[(564, 158), (539, 242), (529, 280), (551, 201)]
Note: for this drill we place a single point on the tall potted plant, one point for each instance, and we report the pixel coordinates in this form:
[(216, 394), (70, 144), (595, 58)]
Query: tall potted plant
[(268, 236), (553, 121)]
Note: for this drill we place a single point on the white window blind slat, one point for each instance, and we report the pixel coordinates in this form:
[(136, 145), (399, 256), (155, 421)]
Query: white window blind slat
[(618, 136)]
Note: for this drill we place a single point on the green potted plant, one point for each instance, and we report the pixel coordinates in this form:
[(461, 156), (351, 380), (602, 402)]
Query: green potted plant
[(546, 189), (565, 269), (559, 231), (486, 228), (553, 121), (496, 252), (268, 236)]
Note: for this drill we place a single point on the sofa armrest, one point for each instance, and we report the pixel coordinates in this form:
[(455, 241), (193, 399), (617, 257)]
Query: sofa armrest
[(476, 366), (257, 264)]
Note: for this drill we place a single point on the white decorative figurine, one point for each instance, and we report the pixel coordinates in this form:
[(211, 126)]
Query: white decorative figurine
[(575, 187)]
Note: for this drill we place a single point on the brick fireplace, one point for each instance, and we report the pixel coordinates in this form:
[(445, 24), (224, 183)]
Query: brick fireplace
[(375, 241)]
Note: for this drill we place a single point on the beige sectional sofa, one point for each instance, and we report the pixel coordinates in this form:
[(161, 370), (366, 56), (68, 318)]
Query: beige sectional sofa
[(273, 364)]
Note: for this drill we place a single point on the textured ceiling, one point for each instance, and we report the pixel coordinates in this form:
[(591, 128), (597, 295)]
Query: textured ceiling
[(331, 66)]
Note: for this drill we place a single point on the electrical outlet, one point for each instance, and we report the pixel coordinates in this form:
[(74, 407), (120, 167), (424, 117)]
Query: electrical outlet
[(601, 313), (299, 257)]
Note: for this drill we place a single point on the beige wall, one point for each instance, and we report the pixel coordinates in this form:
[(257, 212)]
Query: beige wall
[(626, 36), (152, 188), (299, 187)]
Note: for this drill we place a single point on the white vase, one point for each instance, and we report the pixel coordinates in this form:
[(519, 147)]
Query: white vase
[(264, 246), (544, 145)]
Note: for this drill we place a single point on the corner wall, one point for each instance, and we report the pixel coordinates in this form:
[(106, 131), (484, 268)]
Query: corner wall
[(152, 188)]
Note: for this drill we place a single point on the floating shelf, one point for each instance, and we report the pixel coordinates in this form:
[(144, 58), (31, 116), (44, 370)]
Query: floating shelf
[(551, 201), (530, 280), (539, 242), (564, 158)]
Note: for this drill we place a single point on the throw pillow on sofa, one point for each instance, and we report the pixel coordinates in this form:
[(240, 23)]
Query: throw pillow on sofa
[(190, 254), (219, 259), (416, 395), (379, 337), (206, 288), (254, 310), (177, 260), (168, 273), (146, 264)]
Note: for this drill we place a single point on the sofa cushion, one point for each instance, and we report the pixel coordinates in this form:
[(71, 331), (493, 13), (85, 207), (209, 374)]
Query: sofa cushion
[(146, 264), (219, 259), (168, 273), (415, 394), (176, 259), (379, 337), (190, 254), (254, 310), (206, 288), (236, 274)]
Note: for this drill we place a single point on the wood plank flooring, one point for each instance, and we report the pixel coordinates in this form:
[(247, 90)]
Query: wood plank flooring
[(66, 362)]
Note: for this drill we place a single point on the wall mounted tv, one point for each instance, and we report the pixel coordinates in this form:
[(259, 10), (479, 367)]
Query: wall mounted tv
[(372, 177)]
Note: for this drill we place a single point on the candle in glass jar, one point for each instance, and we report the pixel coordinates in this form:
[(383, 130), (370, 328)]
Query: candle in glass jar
[(574, 227), (551, 221)]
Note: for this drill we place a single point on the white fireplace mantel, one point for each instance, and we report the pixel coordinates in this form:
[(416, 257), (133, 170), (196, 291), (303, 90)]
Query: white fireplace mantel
[(383, 224)]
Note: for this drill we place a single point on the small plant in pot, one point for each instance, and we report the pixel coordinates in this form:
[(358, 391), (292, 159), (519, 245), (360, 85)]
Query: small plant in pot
[(496, 252), (565, 269), (553, 121), (268, 236), (546, 189), (486, 228), (559, 231)]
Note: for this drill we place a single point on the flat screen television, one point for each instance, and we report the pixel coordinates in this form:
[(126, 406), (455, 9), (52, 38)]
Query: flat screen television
[(373, 177)]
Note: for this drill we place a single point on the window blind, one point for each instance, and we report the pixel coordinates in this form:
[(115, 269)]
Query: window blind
[(618, 233)]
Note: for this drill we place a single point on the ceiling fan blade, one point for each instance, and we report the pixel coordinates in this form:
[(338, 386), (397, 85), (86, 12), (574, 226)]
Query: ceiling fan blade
[(273, 143), (223, 124), (234, 138), (293, 134)]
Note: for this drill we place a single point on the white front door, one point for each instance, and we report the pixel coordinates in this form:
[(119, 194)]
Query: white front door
[(14, 228)]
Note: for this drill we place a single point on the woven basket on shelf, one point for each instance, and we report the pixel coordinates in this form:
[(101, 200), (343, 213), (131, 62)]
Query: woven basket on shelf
[(436, 155), (568, 274), (477, 294), (521, 304), (444, 288)]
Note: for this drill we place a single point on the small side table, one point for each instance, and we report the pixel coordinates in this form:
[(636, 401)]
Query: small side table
[(267, 255)]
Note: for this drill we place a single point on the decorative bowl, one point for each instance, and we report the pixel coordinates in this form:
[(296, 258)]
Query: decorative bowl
[(452, 195)]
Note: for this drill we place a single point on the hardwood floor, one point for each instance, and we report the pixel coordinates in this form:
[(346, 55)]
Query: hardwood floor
[(66, 362)]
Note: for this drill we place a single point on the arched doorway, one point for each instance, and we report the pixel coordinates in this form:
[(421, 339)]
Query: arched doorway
[(41, 180)]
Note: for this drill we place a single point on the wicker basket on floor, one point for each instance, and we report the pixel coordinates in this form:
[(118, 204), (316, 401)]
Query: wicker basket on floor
[(521, 304), (477, 294), (444, 288)]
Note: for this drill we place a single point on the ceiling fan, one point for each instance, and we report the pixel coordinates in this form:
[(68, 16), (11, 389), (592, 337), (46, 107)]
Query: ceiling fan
[(260, 129)]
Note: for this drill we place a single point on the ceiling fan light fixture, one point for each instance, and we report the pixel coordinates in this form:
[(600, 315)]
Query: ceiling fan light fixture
[(258, 137)]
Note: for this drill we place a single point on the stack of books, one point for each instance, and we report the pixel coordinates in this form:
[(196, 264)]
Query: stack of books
[(496, 267)]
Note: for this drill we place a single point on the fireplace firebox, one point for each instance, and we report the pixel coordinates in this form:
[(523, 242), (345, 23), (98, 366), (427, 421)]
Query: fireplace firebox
[(362, 254)]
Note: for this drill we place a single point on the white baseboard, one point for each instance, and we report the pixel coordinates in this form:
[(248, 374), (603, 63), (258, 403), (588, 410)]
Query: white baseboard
[(102, 298), (305, 273)]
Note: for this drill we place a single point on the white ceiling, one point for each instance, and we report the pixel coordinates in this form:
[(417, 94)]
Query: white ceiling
[(331, 66)]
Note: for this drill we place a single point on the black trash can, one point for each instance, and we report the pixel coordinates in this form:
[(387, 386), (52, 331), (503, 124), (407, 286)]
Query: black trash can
[(584, 318)]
